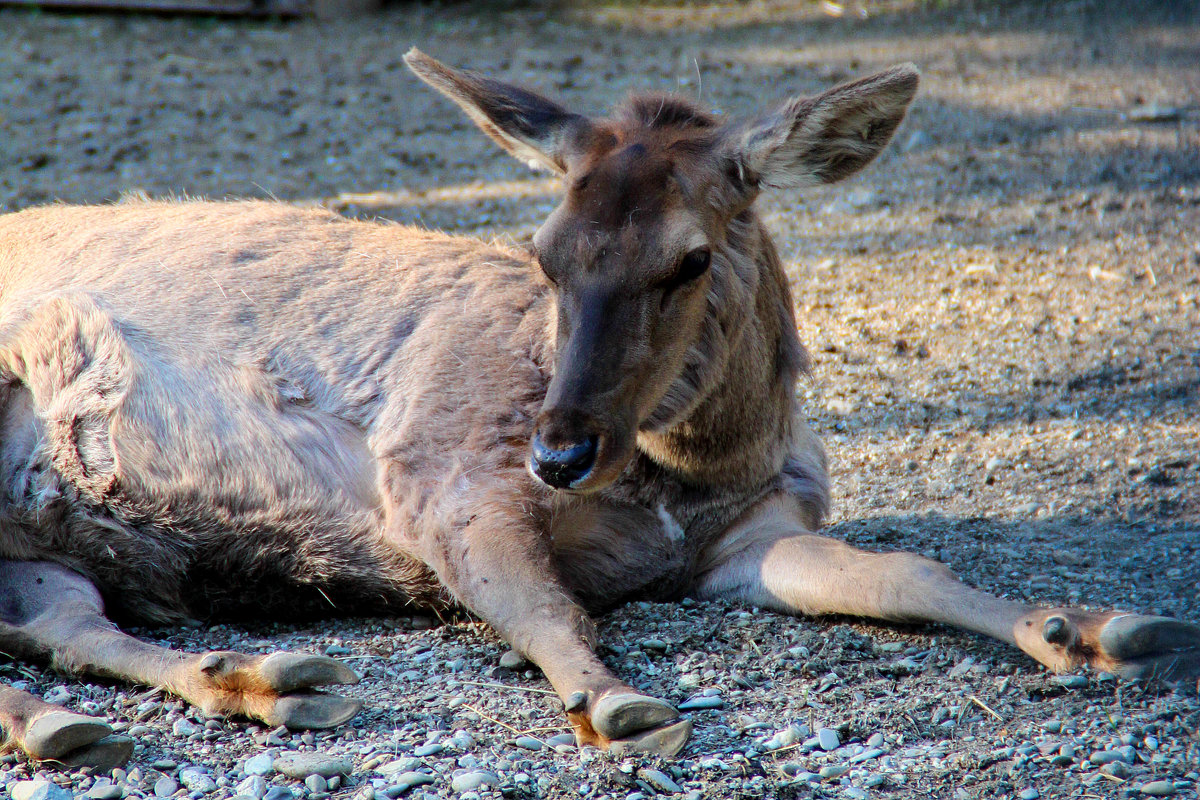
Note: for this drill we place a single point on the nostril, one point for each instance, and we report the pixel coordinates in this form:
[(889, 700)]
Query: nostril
[(562, 467)]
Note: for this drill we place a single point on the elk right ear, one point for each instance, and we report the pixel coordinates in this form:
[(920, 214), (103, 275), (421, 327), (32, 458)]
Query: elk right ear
[(532, 128)]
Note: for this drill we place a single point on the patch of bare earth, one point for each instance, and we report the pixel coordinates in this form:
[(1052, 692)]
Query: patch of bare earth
[(1004, 315)]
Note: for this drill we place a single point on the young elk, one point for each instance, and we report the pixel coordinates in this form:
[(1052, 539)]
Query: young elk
[(220, 408)]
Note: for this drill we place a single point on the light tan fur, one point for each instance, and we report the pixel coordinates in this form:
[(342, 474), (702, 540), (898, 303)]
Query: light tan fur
[(214, 407)]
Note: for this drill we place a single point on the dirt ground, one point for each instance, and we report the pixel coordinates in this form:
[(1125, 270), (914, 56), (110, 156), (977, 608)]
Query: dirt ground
[(1004, 314)]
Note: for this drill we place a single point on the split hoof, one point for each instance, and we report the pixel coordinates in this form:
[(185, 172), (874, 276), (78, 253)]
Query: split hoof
[(101, 756), (312, 710), (666, 741), (53, 735), (617, 716), (286, 672), (1152, 647)]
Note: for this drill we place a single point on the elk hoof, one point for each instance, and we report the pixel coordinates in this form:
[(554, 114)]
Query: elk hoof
[(616, 716), (666, 741), (1058, 630), (312, 710), (101, 756), (54, 735), (286, 672), (1152, 647)]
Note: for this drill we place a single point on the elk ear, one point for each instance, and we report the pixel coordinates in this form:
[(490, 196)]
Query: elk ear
[(532, 128), (823, 139)]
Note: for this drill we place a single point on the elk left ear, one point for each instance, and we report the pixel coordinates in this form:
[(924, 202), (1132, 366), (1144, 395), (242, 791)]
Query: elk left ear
[(823, 139), (532, 128)]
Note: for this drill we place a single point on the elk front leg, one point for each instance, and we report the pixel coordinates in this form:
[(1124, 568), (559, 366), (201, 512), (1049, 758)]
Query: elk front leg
[(770, 560), (50, 613), (499, 566)]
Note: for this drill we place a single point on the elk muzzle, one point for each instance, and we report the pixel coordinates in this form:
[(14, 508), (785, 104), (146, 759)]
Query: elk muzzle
[(563, 467)]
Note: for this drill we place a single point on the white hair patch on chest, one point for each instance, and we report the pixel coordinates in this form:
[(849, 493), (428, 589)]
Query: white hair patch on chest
[(672, 529)]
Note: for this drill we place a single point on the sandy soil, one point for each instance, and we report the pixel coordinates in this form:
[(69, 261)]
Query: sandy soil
[(1004, 314)]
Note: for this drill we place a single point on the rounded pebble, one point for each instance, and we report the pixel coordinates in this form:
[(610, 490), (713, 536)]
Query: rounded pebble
[(261, 764), (661, 781), (1158, 789), (38, 790), (165, 787), (470, 781), (828, 739), (301, 765)]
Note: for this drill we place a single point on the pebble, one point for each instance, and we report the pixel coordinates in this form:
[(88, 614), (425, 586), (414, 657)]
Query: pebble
[(399, 765), (38, 790), (105, 791), (254, 786), (301, 765), (1052, 726), (197, 780), (701, 703), (562, 739), (855, 793), (1153, 789), (1029, 794), (1101, 757), (408, 780), (184, 727), (279, 793), (1071, 681), (261, 764), (165, 787), (316, 784), (427, 750), (867, 755), (470, 781), (828, 739), (833, 771), (528, 743), (661, 781), (511, 659)]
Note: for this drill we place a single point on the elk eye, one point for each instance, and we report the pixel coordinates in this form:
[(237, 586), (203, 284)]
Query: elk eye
[(693, 265)]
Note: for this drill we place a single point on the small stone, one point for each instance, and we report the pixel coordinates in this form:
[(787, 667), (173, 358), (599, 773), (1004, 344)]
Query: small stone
[(399, 765), (461, 740), (1029, 794), (255, 786), (38, 790), (197, 780), (316, 784), (1101, 757), (301, 765), (828, 739), (261, 764), (1118, 769), (867, 755), (337, 650), (855, 793), (562, 739), (164, 765), (511, 659), (876, 740), (409, 780), (279, 793), (528, 743), (426, 750), (1052, 726), (701, 703), (660, 781), (1153, 789), (654, 644), (165, 787), (470, 781), (1071, 681), (833, 771), (105, 791), (184, 727)]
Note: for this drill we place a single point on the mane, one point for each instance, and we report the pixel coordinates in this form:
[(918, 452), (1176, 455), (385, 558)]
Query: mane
[(657, 111)]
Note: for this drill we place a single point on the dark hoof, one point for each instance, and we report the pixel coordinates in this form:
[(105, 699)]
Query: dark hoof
[(286, 672), (57, 733), (666, 741), (102, 756), (1058, 630), (1152, 647), (618, 716), (312, 710)]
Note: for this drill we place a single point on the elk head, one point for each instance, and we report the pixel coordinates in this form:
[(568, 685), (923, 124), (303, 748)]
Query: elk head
[(653, 255)]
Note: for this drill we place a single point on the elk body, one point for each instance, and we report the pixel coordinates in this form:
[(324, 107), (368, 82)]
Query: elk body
[(231, 408)]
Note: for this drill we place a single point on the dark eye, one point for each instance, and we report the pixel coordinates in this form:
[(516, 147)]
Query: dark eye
[(693, 265)]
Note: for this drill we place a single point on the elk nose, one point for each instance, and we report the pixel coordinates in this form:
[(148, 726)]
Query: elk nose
[(561, 468)]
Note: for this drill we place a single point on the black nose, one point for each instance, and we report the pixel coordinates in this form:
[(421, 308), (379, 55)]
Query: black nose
[(561, 468)]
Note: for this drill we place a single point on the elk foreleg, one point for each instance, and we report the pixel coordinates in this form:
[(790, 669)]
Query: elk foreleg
[(53, 614), (769, 560), (499, 566)]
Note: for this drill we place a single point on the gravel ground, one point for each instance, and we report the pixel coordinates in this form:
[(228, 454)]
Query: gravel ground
[(1004, 315)]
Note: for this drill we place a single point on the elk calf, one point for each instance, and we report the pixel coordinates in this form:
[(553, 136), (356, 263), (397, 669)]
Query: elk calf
[(219, 408)]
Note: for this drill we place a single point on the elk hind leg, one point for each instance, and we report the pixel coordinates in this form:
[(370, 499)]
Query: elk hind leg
[(50, 613)]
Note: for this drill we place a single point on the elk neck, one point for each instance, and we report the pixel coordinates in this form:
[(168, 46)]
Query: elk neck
[(741, 432)]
